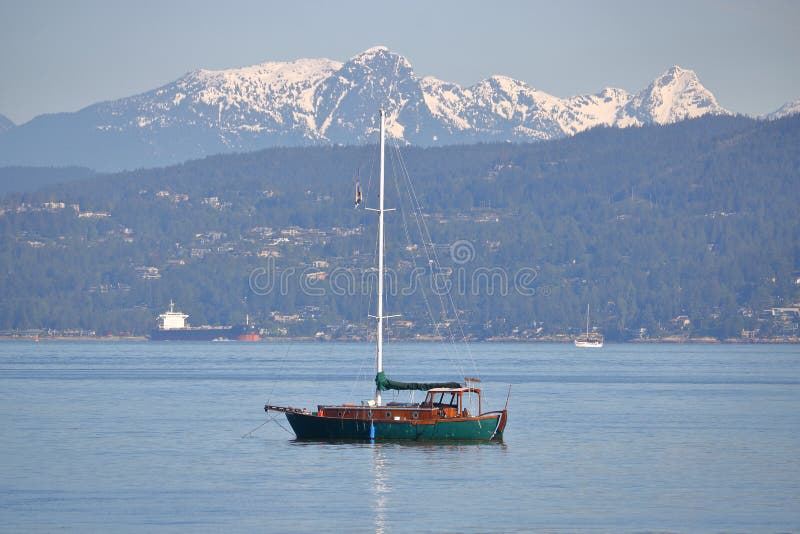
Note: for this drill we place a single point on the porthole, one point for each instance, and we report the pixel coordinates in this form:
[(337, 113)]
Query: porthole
[(415, 415), (388, 415), (341, 414)]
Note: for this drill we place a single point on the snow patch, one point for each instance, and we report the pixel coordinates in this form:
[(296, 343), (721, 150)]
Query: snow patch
[(323, 100), (789, 108)]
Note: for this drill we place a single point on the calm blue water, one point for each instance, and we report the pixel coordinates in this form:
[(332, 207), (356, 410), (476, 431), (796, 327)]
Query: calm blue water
[(145, 437)]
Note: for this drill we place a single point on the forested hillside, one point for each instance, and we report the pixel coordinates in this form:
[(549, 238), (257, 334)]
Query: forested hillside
[(689, 229), (33, 178)]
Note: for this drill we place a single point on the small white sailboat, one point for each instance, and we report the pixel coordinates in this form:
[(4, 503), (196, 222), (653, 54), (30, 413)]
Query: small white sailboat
[(589, 339)]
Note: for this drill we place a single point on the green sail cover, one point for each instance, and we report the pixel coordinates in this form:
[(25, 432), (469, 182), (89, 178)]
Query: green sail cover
[(384, 383)]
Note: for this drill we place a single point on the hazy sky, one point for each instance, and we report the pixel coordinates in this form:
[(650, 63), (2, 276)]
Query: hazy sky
[(62, 56)]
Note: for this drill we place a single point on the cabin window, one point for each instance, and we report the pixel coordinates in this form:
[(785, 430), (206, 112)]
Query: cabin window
[(388, 415), (440, 400)]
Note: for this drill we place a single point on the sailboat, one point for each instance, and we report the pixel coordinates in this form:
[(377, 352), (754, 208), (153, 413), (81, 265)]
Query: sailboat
[(444, 414), (589, 339)]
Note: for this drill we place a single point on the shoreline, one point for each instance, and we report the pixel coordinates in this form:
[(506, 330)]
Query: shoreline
[(425, 339)]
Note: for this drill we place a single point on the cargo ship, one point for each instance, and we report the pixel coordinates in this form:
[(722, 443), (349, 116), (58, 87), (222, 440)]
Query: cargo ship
[(172, 326), (246, 332)]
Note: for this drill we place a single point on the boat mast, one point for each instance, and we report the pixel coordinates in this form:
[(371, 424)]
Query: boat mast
[(587, 320), (379, 360)]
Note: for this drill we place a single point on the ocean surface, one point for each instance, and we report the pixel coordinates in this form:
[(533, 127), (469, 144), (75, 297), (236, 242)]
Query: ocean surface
[(168, 437)]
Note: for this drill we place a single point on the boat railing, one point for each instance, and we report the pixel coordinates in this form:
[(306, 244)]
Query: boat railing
[(284, 409)]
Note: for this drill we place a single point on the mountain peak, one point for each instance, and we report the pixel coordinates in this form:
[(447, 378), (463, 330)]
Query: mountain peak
[(300, 68), (374, 50), (321, 101), (675, 95), (791, 107), (677, 69), (506, 81), (677, 75), (380, 55)]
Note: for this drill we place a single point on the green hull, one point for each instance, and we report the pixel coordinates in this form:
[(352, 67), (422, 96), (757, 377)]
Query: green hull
[(311, 426)]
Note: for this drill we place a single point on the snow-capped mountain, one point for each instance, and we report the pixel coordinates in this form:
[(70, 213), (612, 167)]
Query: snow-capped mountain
[(789, 108), (320, 101), (675, 95), (271, 98)]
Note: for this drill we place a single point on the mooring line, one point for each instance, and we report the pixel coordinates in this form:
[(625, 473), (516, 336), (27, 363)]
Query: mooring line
[(282, 427), (258, 427)]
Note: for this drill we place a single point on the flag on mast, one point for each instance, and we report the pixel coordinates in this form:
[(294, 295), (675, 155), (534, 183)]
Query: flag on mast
[(359, 197)]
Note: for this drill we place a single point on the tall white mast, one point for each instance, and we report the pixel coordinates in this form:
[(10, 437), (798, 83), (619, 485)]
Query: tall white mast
[(587, 320), (379, 362)]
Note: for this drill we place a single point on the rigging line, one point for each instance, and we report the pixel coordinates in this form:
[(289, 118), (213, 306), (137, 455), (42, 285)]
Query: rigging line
[(418, 215), (282, 362), (419, 218), (436, 258), (282, 427), (359, 272), (358, 285), (407, 234), (433, 249), (369, 293), (449, 337), (258, 427), (360, 378), (363, 241)]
